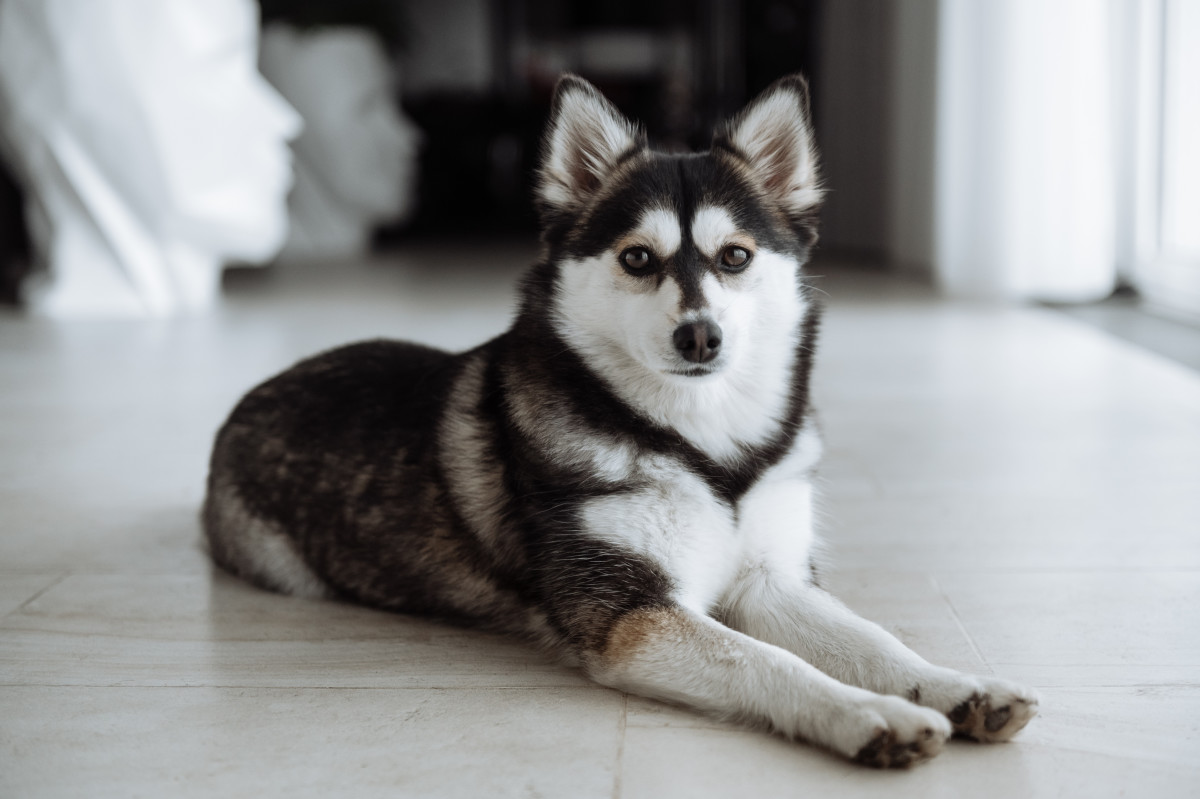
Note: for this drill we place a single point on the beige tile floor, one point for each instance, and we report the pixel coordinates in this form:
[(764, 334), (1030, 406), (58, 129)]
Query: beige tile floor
[(1006, 489)]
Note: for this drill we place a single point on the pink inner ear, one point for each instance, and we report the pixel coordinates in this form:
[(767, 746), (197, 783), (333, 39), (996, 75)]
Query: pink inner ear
[(582, 164), (777, 163)]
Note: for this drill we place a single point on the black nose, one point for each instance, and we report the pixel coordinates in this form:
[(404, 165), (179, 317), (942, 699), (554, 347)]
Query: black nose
[(698, 342)]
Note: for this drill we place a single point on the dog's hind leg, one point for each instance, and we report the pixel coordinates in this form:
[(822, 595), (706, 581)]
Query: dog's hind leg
[(681, 656), (254, 549), (789, 612)]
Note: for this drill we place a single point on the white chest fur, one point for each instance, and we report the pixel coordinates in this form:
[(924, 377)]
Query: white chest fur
[(775, 518), (675, 519)]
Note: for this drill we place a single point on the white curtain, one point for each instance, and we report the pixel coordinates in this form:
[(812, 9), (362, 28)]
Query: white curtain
[(1026, 165), (1167, 258)]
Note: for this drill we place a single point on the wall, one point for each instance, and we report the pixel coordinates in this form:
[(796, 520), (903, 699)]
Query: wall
[(875, 109), (851, 112), (912, 141)]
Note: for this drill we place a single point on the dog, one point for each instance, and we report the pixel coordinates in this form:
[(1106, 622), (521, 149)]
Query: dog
[(625, 477)]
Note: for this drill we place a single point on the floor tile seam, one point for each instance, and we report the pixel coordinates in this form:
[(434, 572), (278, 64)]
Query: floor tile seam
[(696, 727), (61, 576), (276, 687), (937, 587), (1059, 688), (843, 568), (1191, 686), (729, 728), (1049, 572), (71, 571), (1134, 666), (1114, 755), (619, 767), (175, 639), (934, 488)]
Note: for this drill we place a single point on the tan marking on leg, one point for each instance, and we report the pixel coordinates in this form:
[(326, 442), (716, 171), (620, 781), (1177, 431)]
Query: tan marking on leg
[(630, 632)]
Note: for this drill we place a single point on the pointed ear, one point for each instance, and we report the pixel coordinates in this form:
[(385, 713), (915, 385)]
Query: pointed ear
[(774, 135), (585, 139)]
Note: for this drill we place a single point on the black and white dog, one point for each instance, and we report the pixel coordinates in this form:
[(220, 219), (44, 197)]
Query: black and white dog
[(625, 476)]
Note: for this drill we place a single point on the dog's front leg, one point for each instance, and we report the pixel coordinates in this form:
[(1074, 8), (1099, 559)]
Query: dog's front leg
[(678, 655), (788, 611)]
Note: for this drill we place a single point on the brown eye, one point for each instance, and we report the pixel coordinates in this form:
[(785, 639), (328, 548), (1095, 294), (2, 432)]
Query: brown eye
[(735, 258), (636, 259)]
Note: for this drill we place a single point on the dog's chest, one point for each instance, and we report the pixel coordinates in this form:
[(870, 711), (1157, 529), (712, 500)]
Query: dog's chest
[(674, 518)]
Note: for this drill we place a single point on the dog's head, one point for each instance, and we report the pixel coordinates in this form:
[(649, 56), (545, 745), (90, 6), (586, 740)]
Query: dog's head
[(681, 266)]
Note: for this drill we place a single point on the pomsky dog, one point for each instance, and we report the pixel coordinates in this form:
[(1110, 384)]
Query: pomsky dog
[(625, 476)]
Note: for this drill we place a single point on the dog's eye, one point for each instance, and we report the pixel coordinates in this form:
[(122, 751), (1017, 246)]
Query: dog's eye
[(636, 259), (735, 258)]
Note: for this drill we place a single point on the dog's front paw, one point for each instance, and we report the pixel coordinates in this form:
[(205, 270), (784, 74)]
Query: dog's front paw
[(980, 708), (895, 733), (995, 711)]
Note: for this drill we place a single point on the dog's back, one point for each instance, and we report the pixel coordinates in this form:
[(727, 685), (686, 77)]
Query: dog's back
[(325, 480)]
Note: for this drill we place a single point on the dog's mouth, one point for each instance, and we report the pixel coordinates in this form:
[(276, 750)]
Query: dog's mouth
[(693, 371)]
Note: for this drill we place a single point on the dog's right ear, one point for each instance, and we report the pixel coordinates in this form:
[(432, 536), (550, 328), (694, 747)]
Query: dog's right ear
[(585, 140)]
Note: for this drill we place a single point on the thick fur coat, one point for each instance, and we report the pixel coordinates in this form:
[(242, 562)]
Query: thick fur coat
[(625, 475)]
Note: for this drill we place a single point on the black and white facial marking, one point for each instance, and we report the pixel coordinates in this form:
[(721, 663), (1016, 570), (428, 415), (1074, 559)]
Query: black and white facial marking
[(678, 276)]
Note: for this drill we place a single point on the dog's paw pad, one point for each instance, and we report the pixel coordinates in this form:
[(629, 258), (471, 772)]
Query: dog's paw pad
[(889, 750), (995, 720), (902, 735), (995, 715)]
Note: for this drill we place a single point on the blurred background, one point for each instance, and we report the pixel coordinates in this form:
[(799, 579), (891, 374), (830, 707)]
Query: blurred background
[(1018, 150)]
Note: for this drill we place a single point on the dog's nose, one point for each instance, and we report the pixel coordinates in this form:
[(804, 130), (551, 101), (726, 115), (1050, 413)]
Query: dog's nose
[(698, 342)]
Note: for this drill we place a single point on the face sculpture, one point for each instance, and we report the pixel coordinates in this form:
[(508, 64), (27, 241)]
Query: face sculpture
[(153, 149), (356, 159)]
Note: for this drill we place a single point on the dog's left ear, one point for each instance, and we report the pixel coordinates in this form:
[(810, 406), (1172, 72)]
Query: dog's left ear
[(585, 139), (774, 135)]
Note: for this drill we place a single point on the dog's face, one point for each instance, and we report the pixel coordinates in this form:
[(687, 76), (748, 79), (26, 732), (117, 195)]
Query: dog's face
[(681, 267)]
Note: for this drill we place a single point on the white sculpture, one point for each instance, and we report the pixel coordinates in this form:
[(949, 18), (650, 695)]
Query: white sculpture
[(153, 150), (356, 159)]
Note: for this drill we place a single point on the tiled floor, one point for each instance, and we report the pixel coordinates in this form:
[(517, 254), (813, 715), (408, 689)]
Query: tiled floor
[(1008, 490)]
